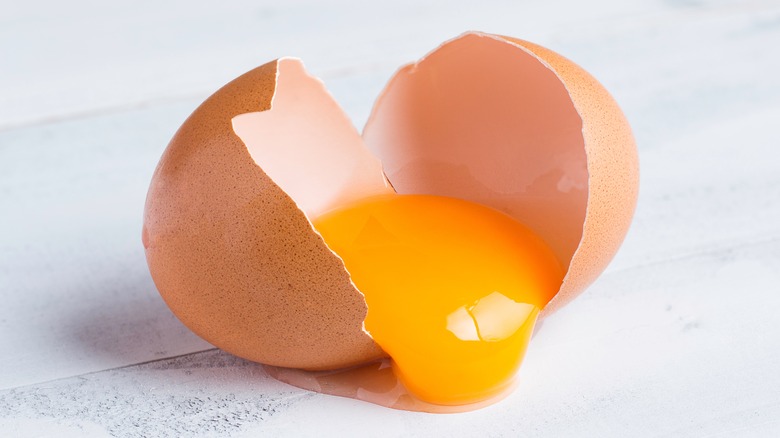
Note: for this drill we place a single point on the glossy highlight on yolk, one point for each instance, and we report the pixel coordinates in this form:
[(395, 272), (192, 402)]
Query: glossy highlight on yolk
[(453, 289)]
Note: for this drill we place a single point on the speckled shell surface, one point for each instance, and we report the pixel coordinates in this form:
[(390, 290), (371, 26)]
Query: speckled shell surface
[(613, 173), (234, 257)]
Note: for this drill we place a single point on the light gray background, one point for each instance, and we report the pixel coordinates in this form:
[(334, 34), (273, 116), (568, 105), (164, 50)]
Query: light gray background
[(680, 337)]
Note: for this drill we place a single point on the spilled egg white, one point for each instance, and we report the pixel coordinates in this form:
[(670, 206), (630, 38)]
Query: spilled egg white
[(486, 118)]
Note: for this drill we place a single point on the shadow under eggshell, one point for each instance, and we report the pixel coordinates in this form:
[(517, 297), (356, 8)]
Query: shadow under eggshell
[(235, 258)]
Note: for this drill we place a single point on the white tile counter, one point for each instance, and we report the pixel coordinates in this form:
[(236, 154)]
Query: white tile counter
[(679, 338)]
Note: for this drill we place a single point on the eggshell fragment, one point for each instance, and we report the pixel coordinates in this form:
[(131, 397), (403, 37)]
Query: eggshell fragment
[(232, 254), (514, 126)]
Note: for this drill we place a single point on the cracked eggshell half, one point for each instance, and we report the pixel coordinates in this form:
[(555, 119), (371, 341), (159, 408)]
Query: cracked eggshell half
[(514, 126), (226, 233)]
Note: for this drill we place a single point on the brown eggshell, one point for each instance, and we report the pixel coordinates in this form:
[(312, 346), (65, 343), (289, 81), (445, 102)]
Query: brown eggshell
[(514, 126), (232, 254), (613, 173)]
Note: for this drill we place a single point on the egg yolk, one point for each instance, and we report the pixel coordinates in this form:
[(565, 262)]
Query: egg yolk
[(453, 289)]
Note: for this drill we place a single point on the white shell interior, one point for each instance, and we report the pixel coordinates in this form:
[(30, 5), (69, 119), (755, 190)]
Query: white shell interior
[(308, 146), (482, 119)]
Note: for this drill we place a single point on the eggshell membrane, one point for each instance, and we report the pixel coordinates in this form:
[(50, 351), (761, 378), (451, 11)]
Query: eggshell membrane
[(514, 126), (308, 146), (233, 255)]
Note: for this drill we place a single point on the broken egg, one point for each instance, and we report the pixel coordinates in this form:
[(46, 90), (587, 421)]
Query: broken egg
[(493, 182)]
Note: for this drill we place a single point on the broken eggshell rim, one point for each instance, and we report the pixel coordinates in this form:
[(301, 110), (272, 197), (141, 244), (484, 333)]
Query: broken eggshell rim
[(557, 300)]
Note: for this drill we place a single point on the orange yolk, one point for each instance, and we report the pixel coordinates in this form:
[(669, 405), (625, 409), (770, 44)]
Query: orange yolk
[(453, 289)]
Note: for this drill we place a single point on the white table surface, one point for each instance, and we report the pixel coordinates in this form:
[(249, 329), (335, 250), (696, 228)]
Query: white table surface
[(680, 337)]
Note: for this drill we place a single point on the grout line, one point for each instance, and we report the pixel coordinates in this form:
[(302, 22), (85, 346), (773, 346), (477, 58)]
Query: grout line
[(137, 364), (712, 250), (96, 112), (332, 74)]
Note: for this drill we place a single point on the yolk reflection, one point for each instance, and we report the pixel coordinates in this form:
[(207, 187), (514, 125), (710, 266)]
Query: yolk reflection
[(453, 289)]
